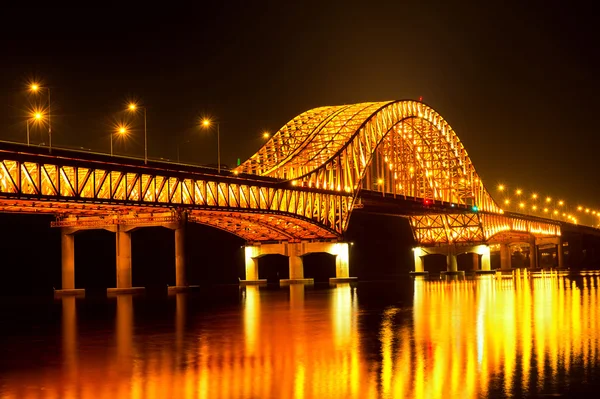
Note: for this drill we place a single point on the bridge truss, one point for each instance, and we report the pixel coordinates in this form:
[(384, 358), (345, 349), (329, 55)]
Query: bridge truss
[(112, 193), (301, 185)]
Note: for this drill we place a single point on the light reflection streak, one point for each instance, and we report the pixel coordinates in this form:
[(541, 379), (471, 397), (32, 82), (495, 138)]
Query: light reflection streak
[(461, 338)]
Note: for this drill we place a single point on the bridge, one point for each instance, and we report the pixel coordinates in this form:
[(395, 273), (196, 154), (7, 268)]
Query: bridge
[(295, 196)]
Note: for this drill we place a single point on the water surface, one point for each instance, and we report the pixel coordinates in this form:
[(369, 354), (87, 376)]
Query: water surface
[(528, 335)]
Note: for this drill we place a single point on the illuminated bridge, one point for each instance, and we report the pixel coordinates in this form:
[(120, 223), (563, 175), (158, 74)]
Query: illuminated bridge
[(293, 197)]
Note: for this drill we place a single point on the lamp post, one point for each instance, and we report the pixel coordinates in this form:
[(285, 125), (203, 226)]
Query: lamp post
[(37, 88), (133, 107), (121, 130), (37, 116), (206, 123)]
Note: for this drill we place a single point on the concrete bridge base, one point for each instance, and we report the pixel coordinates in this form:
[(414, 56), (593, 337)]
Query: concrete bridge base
[(123, 254), (484, 272), (254, 282), (70, 292), (289, 281), (334, 280), (453, 273), (172, 289), (128, 290), (481, 257), (295, 251)]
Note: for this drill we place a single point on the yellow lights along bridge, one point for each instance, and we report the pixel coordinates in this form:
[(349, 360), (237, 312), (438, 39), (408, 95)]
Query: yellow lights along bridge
[(303, 184)]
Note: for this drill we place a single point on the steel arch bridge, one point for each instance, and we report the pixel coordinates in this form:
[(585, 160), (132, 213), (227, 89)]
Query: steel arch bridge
[(303, 184)]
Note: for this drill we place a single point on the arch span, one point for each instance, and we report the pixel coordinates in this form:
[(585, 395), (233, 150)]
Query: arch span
[(403, 148)]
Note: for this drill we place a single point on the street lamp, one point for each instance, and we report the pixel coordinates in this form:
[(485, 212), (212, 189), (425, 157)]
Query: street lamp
[(206, 124), (266, 135), (133, 107), (37, 116), (122, 130), (37, 88)]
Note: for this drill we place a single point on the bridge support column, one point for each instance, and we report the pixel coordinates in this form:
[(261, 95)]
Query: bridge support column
[(251, 254), (67, 240), (486, 263), (559, 254), (451, 262), (342, 260), (475, 261), (418, 255), (533, 255), (505, 257), (180, 257), (296, 262), (123, 241), (342, 263)]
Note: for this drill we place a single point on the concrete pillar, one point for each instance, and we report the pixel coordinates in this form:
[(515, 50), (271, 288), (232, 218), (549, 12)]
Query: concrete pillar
[(451, 262), (123, 258), (533, 255), (486, 263), (559, 253), (475, 257), (251, 253), (504, 257), (342, 260), (418, 255), (180, 272), (296, 263), (68, 261)]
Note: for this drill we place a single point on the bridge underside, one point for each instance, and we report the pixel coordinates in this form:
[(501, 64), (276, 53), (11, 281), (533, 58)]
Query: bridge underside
[(251, 226)]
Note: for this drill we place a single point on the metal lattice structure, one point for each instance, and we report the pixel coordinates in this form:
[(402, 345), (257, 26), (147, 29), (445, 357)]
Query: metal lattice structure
[(398, 148), (256, 210), (301, 185)]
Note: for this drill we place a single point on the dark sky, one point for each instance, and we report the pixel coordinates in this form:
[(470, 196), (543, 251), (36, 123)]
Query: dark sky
[(518, 82)]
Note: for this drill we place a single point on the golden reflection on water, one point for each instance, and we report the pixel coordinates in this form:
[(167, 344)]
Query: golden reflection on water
[(459, 339)]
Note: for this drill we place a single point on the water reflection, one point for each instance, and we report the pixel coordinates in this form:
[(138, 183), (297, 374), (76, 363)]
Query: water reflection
[(528, 334)]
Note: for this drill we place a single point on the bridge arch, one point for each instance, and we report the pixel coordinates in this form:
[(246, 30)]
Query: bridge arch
[(403, 148)]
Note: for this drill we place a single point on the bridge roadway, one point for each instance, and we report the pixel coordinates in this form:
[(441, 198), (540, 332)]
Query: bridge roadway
[(96, 191), (292, 197)]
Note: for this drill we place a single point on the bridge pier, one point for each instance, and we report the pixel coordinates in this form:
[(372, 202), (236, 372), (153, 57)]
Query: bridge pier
[(505, 263), (67, 239), (418, 256), (123, 242), (295, 252), (559, 253), (451, 261), (252, 253), (180, 230), (533, 254), (296, 262)]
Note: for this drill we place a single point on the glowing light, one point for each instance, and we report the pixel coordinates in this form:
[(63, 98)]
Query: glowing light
[(545, 210), (38, 115), (379, 181), (555, 212), (34, 87), (534, 207), (522, 205), (579, 208), (266, 135), (561, 203), (534, 196), (506, 202), (548, 199), (206, 122), (132, 106), (294, 182), (519, 191), (587, 210), (501, 187)]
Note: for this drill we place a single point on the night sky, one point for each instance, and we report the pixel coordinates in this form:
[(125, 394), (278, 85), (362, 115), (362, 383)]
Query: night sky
[(517, 82)]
